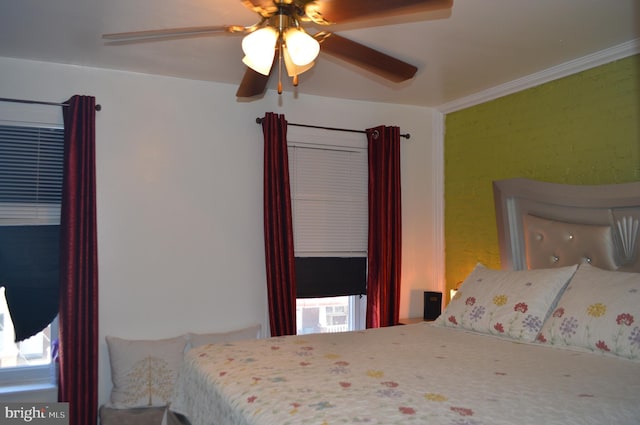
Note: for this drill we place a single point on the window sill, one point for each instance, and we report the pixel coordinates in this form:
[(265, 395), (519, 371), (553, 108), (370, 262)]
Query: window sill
[(42, 392)]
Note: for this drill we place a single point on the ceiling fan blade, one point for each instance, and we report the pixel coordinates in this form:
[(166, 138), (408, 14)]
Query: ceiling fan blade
[(264, 8), (253, 84), (170, 33), (365, 57), (340, 11)]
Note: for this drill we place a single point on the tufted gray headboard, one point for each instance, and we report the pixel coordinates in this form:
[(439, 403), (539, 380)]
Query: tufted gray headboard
[(543, 225)]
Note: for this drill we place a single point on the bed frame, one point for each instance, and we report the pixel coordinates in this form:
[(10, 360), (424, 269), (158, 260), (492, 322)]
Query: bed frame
[(542, 225)]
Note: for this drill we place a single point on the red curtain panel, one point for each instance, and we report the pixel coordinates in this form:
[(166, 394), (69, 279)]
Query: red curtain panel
[(278, 228), (78, 316), (385, 227)]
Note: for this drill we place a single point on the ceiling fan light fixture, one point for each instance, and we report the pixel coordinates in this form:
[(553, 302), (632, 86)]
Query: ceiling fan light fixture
[(303, 49), (261, 68), (259, 48), (292, 68)]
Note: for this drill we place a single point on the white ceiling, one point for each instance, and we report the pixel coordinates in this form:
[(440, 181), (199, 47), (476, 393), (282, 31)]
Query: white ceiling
[(482, 44)]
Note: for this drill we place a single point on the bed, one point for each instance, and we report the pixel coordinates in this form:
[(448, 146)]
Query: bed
[(552, 338)]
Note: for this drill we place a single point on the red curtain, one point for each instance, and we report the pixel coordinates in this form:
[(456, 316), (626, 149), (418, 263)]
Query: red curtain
[(385, 227), (78, 316), (278, 228)]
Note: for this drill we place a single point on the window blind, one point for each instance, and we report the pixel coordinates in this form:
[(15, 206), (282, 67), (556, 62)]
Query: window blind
[(329, 200), (330, 219), (31, 161), (330, 276)]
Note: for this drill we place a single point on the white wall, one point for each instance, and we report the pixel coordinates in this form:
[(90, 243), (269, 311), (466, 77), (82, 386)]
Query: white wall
[(179, 172)]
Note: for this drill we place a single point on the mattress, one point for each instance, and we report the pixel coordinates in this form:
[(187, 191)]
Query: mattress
[(413, 374)]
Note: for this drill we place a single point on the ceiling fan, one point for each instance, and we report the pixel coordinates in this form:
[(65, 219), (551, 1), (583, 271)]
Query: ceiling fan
[(278, 38)]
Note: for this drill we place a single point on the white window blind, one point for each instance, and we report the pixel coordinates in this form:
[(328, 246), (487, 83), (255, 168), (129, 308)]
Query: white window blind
[(31, 161), (329, 199)]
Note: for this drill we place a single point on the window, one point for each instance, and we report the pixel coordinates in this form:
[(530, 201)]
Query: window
[(329, 203), (31, 157), (34, 351), (330, 314)]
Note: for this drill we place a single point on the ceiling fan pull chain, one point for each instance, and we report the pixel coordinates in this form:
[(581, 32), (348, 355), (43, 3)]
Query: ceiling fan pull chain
[(280, 65)]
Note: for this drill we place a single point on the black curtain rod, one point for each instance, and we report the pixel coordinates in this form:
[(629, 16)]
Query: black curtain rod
[(259, 121), (38, 102)]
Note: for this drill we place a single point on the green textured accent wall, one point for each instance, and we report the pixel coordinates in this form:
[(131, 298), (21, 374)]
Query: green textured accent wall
[(581, 129)]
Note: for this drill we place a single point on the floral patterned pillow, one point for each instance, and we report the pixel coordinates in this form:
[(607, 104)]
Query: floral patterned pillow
[(511, 304), (599, 311), (144, 372)]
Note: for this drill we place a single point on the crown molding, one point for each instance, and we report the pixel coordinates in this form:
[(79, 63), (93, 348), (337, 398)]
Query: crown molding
[(593, 60)]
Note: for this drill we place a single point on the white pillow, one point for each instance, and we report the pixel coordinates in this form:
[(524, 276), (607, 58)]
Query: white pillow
[(144, 371), (197, 340), (599, 311), (511, 304)]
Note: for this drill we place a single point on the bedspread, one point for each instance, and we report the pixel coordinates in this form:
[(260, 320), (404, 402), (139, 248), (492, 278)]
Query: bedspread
[(413, 374)]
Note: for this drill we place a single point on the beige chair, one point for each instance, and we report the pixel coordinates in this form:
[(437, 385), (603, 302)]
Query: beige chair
[(140, 416)]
